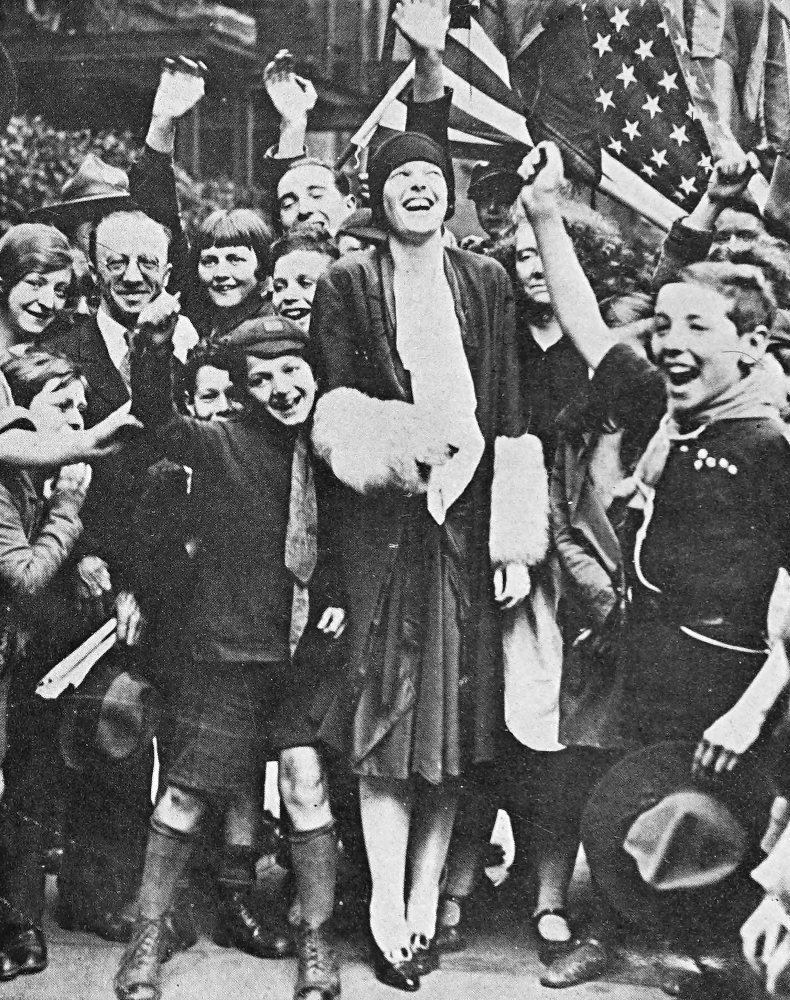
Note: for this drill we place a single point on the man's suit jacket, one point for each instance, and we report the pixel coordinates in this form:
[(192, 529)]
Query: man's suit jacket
[(117, 481)]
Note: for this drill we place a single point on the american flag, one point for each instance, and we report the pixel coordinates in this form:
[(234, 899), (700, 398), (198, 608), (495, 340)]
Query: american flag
[(653, 104)]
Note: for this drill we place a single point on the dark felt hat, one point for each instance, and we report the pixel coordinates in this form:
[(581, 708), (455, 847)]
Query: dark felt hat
[(8, 87), (94, 191), (394, 152), (671, 852), (266, 337), (498, 173), (112, 713)]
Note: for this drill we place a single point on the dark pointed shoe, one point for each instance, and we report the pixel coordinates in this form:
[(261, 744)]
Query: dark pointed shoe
[(424, 954), (400, 975), (25, 947), (587, 961), (139, 976), (318, 970), (8, 969), (238, 926)]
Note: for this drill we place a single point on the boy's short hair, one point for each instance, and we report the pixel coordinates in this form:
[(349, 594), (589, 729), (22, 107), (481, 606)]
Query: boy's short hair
[(235, 227), (200, 356), (311, 239), (752, 303), (29, 371)]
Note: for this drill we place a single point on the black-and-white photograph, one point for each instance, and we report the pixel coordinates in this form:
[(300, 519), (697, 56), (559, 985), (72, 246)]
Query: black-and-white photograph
[(394, 499)]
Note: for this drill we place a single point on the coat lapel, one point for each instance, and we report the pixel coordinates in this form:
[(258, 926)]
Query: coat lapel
[(104, 379)]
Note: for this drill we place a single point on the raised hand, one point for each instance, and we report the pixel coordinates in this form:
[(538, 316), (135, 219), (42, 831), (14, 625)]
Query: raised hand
[(157, 320), (731, 177), (130, 618), (293, 96), (424, 23), (543, 175), (181, 86)]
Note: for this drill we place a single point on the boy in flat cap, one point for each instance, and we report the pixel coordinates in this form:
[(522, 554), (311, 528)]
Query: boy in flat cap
[(249, 611)]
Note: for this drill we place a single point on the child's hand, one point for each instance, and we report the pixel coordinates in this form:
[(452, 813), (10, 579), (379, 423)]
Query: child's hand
[(157, 321), (543, 175), (74, 478), (511, 585), (333, 622)]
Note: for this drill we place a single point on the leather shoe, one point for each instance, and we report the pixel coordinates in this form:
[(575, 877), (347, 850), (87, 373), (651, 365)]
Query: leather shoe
[(587, 961), (139, 976), (8, 969), (317, 970), (424, 954), (400, 975), (239, 927), (703, 984), (24, 947)]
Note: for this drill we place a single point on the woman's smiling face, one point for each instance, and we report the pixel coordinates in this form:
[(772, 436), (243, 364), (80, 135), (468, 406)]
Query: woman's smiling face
[(415, 199), (229, 274), (36, 299)]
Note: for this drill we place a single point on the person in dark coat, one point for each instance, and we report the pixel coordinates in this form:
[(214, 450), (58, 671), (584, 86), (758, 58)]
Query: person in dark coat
[(105, 847), (417, 363), (713, 527)]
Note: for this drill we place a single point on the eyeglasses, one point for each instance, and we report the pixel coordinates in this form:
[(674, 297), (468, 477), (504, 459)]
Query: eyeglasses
[(119, 265)]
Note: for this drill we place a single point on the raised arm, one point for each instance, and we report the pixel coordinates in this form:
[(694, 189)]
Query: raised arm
[(28, 566), (690, 238), (574, 302)]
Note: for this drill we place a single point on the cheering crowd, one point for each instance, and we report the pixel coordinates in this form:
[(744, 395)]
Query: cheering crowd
[(441, 530)]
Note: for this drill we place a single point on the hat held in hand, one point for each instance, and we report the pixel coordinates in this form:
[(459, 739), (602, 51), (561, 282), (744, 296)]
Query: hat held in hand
[(671, 851)]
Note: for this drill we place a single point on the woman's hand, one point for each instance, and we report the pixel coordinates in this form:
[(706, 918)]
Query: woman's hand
[(424, 23), (181, 87), (130, 618), (511, 585), (333, 622)]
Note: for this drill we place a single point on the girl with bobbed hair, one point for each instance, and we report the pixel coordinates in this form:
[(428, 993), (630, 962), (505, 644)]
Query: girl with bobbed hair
[(36, 280), (230, 261)]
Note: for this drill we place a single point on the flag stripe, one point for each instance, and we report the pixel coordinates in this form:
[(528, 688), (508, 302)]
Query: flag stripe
[(465, 63), (480, 45)]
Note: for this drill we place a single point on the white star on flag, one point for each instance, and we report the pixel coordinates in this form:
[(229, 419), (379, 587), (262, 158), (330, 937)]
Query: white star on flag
[(678, 133), (692, 113), (682, 44), (616, 146), (648, 171), (705, 163), (604, 98), (601, 45), (659, 157), (627, 75), (652, 106), (688, 185), (644, 50), (631, 129), (619, 19), (663, 26), (667, 81)]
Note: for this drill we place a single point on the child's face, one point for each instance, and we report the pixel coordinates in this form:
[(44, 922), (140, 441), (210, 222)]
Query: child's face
[(211, 399), (697, 345), (293, 284), (60, 407), (229, 274), (283, 386)]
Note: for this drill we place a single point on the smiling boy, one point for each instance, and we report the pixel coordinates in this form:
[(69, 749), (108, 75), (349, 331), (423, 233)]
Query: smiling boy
[(715, 526), (250, 608)]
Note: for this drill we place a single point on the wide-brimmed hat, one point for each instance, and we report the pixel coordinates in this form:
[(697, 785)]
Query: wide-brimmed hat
[(95, 190), (8, 87), (113, 713), (671, 852)]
